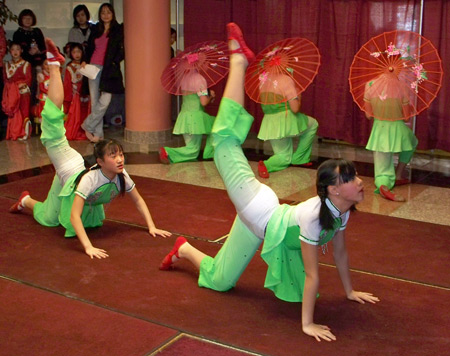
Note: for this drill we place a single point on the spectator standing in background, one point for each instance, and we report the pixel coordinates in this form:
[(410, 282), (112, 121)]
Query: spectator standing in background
[(105, 50), (30, 38), (81, 29)]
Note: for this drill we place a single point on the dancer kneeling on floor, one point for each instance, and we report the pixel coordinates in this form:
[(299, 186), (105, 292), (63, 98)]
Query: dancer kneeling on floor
[(76, 197), (281, 124), (387, 97), (193, 122), (290, 233)]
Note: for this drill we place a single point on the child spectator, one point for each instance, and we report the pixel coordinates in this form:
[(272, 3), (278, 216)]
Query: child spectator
[(43, 79), (16, 94), (76, 95)]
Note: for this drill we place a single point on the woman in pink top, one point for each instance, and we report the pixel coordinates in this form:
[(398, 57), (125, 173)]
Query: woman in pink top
[(105, 50)]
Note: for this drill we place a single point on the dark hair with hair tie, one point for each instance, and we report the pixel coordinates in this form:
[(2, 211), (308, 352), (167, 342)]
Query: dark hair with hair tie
[(331, 172), (101, 149)]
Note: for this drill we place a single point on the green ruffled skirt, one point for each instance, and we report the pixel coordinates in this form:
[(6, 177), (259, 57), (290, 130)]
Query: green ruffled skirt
[(276, 125), (193, 119), (391, 136)]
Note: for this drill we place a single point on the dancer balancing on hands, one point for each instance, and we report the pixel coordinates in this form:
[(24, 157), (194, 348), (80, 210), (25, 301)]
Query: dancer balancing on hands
[(76, 197), (290, 233)]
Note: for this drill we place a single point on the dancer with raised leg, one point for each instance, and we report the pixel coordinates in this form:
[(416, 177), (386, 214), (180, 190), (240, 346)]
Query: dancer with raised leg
[(289, 233), (77, 195)]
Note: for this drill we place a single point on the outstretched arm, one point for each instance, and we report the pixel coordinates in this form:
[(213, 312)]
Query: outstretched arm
[(77, 223), (143, 210), (341, 260), (311, 264)]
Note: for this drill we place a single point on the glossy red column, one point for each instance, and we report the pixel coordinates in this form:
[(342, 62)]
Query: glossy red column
[(147, 52)]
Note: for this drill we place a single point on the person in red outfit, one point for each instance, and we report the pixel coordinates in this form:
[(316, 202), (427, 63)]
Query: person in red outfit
[(43, 79), (76, 100), (16, 94)]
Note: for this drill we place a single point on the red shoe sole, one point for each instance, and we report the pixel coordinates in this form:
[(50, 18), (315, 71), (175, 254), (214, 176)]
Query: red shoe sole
[(386, 193), (389, 195), (262, 170), (167, 263), (51, 47), (309, 164), (235, 33), (163, 156), (14, 209)]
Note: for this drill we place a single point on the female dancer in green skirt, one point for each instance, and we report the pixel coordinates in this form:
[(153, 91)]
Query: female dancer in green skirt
[(192, 122), (76, 197), (290, 234), (386, 97), (281, 123)]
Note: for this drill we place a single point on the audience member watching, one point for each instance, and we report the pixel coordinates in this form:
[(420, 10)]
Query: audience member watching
[(30, 38), (81, 29), (105, 50)]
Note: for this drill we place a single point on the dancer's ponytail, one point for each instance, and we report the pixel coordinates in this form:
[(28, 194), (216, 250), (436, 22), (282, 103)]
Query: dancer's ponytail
[(78, 178)]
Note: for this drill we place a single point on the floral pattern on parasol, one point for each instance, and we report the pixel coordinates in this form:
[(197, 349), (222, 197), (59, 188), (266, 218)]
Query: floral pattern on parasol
[(395, 75), (282, 71), (196, 68)]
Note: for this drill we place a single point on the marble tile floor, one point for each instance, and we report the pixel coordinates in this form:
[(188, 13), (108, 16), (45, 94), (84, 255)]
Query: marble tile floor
[(428, 197)]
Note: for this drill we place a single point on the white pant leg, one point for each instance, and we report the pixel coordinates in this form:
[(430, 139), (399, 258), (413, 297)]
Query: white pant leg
[(66, 161), (99, 104), (254, 202), (98, 113)]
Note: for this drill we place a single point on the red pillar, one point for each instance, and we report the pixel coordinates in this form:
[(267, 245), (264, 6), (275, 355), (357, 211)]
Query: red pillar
[(147, 52)]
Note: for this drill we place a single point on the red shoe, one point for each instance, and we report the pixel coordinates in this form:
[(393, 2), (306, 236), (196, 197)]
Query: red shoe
[(304, 165), (402, 181), (235, 33), (389, 195), (262, 170), (163, 156), (53, 52), (18, 207), (167, 261)]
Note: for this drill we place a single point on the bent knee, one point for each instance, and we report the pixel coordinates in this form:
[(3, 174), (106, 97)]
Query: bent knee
[(312, 123), (219, 286)]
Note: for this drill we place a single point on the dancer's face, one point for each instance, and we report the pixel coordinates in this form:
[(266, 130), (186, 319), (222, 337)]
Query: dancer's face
[(16, 52), (112, 163), (81, 18), (352, 191)]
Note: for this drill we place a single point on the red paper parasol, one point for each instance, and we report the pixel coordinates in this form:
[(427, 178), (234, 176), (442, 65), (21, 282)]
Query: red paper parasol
[(395, 75), (197, 68), (282, 71)]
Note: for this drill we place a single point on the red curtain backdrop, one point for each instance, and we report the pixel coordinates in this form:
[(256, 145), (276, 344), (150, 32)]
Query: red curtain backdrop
[(338, 28)]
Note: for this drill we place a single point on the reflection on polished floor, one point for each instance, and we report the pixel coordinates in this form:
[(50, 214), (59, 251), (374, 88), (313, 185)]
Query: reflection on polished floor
[(428, 197)]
